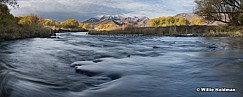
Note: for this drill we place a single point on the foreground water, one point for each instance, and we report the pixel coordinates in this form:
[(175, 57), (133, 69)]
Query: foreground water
[(79, 65)]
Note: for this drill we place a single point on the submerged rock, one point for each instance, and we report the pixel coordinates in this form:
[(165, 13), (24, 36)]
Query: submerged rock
[(213, 46), (128, 55), (85, 72), (97, 61), (81, 63), (114, 76), (155, 47)]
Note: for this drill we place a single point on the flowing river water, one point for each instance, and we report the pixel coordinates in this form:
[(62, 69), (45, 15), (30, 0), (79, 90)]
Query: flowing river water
[(80, 65)]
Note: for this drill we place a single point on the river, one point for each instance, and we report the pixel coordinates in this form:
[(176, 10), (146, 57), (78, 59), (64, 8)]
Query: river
[(81, 65)]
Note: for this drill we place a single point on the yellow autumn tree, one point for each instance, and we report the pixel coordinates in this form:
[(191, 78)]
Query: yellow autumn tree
[(81, 25), (168, 21), (88, 26), (29, 20), (70, 23), (107, 26), (197, 21), (182, 21), (48, 22)]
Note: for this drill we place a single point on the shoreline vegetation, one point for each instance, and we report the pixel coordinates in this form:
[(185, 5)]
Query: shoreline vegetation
[(22, 32), (178, 31), (61, 30), (176, 27), (12, 28), (31, 26)]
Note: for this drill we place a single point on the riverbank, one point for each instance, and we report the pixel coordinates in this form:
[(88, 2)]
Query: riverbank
[(196, 31), (13, 32), (70, 30)]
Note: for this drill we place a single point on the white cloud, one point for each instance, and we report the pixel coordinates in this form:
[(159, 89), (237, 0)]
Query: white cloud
[(83, 9)]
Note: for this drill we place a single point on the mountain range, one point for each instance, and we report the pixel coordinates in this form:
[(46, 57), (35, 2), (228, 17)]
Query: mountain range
[(138, 21), (118, 20)]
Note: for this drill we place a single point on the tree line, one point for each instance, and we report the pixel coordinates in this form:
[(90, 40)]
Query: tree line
[(69, 23), (72, 23), (174, 21)]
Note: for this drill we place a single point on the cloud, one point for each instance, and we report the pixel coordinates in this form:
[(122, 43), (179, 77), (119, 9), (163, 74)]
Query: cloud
[(84, 9)]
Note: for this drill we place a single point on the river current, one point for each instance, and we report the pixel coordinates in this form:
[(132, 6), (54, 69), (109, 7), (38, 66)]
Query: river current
[(81, 65)]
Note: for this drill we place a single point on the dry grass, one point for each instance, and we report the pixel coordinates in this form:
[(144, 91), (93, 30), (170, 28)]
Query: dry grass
[(12, 32), (200, 31)]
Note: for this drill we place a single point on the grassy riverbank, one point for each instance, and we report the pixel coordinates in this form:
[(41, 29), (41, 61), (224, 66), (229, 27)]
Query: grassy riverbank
[(12, 32), (200, 31)]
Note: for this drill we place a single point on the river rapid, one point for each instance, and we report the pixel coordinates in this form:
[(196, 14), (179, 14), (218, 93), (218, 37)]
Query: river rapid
[(81, 65)]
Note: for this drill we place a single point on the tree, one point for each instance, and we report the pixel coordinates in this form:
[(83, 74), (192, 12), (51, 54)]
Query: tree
[(5, 16), (226, 11), (10, 2), (48, 22), (197, 21), (155, 22), (29, 20), (70, 23), (107, 26), (182, 21), (88, 26), (80, 25), (100, 26), (168, 21)]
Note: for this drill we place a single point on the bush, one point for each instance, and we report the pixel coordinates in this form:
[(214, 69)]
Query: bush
[(88, 26), (70, 23)]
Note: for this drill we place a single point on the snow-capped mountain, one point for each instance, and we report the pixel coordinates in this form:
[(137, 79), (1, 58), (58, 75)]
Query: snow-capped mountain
[(119, 20)]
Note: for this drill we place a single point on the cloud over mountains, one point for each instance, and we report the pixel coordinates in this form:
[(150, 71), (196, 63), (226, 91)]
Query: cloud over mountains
[(84, 9)]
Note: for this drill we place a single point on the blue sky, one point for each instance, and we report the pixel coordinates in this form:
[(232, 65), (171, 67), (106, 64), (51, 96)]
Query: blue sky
[(84, 9)]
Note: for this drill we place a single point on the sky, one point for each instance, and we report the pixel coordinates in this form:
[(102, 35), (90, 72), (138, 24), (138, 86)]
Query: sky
[(84, 9)]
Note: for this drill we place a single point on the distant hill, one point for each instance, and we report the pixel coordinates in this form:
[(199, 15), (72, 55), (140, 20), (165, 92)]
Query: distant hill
[(91, 20), (118, 20), (188, 16)]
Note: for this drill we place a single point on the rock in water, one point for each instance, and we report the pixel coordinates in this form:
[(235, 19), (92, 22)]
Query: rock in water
[(155, 47)]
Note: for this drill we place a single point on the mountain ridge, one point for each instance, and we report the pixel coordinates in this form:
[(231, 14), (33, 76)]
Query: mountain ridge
[(118, 20), (188, 16)]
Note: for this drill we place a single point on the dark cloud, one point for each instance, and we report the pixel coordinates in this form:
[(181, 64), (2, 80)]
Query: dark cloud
[(84, 9)]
